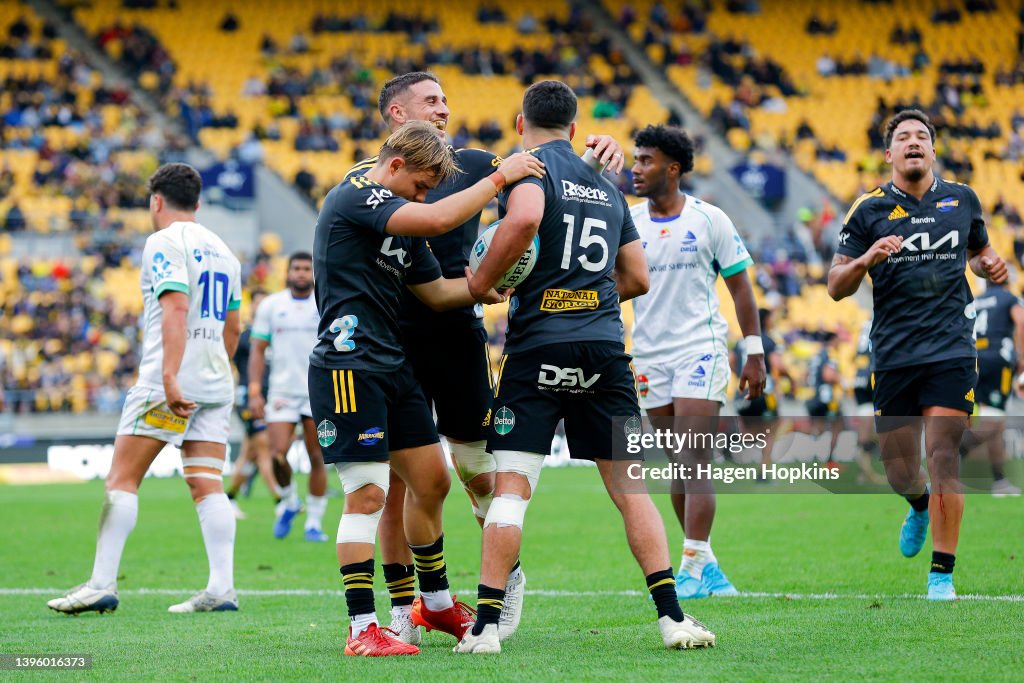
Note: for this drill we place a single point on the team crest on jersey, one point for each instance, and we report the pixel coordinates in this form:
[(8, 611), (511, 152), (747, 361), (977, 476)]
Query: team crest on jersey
[(689, 243), (665, 232), (643, 385), (947, 204), (197, 254), (326, 433)]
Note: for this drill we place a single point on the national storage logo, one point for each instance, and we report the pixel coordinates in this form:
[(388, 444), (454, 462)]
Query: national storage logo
[(560, 300)]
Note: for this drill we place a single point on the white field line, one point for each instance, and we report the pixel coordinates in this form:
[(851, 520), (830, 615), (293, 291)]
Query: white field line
[(303, 592)]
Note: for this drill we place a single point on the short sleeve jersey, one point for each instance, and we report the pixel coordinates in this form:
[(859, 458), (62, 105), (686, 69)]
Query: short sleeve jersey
[(923, 308), (994, 327), (186, 257), (289, 326), (452, 248), (570, 295), (681, 314), (360, 273)]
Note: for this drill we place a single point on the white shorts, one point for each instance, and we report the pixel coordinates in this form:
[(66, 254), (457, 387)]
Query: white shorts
[(145, 413), (289, 409), (702, 376)]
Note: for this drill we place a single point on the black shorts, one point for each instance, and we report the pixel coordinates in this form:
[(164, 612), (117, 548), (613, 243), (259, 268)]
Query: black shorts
[(995, 381), (362, 415), (587, 384), (904, 392), (251, 426), (863, 391), (454, 371)]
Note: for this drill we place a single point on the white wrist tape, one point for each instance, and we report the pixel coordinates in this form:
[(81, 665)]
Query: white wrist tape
[(753, 345)]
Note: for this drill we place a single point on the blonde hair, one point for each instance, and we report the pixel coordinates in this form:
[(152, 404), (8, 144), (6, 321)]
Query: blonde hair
[(418, 144)]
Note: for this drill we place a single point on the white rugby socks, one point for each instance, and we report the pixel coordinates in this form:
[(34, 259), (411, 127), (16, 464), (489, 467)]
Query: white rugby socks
[(217, 521), (696, 554), (120, 510), (315, 508)]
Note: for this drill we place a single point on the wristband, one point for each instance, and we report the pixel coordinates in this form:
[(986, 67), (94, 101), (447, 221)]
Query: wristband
[(498, 178), (753, 345)]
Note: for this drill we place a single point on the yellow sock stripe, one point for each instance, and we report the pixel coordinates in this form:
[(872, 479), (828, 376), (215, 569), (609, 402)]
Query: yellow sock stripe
[(355, 586), (404, 594), (429, 566), (661, 583), (351, 392), (337, 400), (421, 558), (490, 602), (360, 575), (402, 583)]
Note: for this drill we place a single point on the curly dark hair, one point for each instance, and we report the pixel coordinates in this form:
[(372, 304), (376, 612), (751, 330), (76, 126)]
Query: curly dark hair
[(673, 143), (178, 184), (907, 115)]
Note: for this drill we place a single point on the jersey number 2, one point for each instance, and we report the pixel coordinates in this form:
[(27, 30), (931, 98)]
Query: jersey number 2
[(344, 327), (587, 238), (219, 298)]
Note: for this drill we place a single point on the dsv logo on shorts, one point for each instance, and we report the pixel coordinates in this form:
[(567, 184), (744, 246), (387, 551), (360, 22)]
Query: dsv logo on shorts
[(565, 378)]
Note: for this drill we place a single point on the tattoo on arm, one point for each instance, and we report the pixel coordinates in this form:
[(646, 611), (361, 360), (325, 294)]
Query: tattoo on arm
[(840, 260)]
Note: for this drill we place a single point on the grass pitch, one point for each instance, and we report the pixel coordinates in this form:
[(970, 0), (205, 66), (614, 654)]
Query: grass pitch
[(836, 599)]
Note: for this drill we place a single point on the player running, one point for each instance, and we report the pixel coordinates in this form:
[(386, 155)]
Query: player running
[(191, 289), (368, 408), (1000, 320), (286, 324), (444, 345), (564, 357), (916, 235), (679, 335)]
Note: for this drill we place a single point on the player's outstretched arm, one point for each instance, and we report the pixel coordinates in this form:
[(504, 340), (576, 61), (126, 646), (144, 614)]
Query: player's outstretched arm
[(524, 211), (445, 294), (232, 331), (846, 272), (174, 306), (631, 276), (987, 263), (753, 375), (429, 220)]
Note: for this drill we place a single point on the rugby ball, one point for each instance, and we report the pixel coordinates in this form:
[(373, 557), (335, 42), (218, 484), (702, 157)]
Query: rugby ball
[(519, 271)]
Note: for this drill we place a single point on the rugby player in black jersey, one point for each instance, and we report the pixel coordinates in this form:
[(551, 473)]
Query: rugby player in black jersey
[(915, 236), (448, 353), (564, 357), (368, 408)]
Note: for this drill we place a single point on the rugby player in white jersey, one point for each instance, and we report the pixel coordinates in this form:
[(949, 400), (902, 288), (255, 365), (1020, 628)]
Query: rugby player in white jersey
[(286, 323), (191, 288), (679, 335)]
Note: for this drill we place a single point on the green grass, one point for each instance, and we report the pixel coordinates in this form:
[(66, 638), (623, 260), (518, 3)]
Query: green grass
[(805, 544)]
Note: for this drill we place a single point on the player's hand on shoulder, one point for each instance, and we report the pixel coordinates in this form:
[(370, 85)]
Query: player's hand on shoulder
[(520, 165), (883, 249), (995, 268), (178, 404), (608, 152)]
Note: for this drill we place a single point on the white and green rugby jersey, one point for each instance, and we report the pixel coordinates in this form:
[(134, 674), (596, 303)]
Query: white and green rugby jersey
[(186, 257), (680, 316), (289, 325)]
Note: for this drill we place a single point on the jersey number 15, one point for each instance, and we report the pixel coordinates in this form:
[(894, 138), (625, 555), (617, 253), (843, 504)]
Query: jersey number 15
[(587, 238)]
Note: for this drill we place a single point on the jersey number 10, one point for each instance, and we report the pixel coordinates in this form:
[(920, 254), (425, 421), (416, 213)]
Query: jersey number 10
[(219, 298)]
